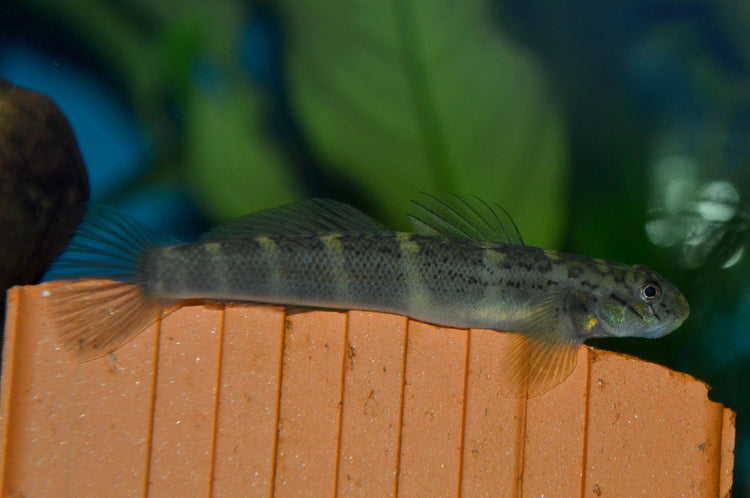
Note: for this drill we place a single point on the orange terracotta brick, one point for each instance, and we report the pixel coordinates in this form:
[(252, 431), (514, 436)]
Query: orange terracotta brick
[(494, 426), (433, 411), (248, 399), (184, 408), (310, 406), (369, 448), (243, 400)]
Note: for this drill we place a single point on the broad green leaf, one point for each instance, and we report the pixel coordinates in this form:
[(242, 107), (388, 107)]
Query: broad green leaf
[(403, 96), (232, 162)]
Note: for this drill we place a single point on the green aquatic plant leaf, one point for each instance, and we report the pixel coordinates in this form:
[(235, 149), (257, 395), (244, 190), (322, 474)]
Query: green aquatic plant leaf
[(405, 95), (232, 161)]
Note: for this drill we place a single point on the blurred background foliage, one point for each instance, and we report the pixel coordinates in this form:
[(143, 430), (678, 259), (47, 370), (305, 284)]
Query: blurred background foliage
[(614, 129)]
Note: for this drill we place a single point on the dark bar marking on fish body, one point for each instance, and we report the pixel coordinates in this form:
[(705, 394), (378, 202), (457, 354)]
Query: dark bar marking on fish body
[(626, 305), (374, 267)]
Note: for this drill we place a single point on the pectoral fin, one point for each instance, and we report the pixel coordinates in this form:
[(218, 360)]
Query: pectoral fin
[(543, 354), (535, 367)]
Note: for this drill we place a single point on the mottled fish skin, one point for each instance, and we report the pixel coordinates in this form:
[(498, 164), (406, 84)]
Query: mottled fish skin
[(458, 271), (454, 282)]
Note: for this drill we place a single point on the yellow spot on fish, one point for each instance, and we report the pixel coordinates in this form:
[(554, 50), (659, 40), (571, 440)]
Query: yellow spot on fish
[(602, 267), (492, 258), (267, 244), (333, 242), (213, 247), (590, 323), (552, 255), (406, 244)]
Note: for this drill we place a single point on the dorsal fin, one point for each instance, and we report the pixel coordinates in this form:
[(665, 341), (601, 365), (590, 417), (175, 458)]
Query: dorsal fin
[(308, 216), (468, 217)]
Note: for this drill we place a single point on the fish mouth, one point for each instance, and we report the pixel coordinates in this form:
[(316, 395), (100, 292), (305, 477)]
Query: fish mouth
[(681, 315), (683, 310), (665, 329)]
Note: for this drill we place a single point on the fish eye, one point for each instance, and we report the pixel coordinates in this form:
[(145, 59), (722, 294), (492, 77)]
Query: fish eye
[(650, 291)]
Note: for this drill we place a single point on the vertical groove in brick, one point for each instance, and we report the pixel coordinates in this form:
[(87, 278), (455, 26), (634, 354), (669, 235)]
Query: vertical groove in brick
[(555, 430), (247, 400), (10, 404), (183, 428), (587, 412), (370, 422), (491, 430), (310, 404), (519, 464), (462, 452), (433, 408), (149, 440), (404, 358), (217, 395), (280, 373), (345, 355)]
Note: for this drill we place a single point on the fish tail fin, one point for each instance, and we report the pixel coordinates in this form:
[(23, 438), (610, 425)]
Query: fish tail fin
[(103, 304), (95, 317)]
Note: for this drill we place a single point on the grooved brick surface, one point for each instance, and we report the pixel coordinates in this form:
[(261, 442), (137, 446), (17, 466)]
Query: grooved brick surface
[(244, 400)]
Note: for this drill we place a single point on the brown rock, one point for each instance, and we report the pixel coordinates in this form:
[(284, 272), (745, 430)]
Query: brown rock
[(43, 184)]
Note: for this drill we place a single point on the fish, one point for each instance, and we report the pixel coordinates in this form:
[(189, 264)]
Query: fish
[(464, 266)]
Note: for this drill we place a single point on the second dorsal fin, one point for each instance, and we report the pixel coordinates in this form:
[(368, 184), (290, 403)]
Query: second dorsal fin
[(468, 217), (308, 216)]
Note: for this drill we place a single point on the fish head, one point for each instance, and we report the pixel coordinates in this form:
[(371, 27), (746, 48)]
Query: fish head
[(639, 303)]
